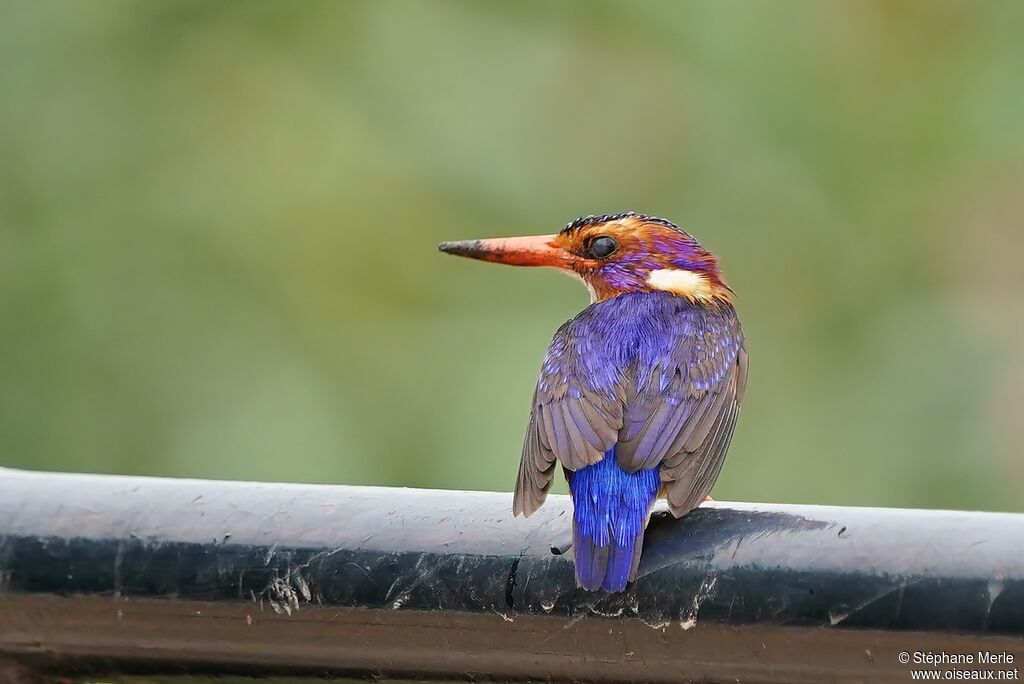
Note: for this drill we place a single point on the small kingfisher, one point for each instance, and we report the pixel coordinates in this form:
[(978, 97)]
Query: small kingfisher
[(638, 394)]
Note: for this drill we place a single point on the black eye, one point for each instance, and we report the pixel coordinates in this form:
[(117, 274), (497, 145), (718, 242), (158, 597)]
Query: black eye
[(602, 247)]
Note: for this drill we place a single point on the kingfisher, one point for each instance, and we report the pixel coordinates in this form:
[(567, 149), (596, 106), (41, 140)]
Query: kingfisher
[(638, 394)]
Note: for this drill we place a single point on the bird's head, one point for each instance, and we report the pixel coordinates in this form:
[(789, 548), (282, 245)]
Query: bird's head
[(613, 255)]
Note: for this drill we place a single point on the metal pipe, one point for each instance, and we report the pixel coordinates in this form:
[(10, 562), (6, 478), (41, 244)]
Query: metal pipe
[(112, 574)]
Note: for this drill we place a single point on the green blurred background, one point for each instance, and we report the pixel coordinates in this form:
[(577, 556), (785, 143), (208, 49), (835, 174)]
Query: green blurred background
[(218, 228)]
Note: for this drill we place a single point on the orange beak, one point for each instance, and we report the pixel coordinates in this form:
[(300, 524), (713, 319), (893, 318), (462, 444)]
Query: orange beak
[(538, 250)]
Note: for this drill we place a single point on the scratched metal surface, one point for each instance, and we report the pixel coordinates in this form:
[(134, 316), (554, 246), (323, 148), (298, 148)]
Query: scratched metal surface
[(132, 548)]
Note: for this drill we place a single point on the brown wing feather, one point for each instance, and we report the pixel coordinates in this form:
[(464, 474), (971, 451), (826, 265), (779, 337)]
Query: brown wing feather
[(536, 471), (690, 472), (569, 423)]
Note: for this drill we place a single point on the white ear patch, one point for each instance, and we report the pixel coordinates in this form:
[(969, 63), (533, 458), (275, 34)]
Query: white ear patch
[(681, 282)]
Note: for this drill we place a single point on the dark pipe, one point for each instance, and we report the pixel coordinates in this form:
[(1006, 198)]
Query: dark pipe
[(113, 574)]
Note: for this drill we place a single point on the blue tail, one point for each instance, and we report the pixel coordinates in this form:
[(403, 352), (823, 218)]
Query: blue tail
[(610, 508)]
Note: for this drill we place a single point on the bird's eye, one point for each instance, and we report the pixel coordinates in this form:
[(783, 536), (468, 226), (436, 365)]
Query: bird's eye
[(602, 247)]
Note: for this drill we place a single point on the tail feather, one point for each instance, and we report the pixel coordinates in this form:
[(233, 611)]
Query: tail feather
[(609, 516), (623, 558), (591, 561)]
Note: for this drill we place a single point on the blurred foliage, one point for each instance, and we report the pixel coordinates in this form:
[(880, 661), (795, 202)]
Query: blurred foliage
[(218, 224)]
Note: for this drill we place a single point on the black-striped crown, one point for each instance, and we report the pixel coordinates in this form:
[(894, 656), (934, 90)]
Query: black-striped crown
[(593, 219)]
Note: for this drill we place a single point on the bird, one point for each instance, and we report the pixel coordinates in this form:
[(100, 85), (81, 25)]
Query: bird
[(638, 394)]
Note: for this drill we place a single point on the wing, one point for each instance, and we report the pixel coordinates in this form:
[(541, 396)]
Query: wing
[(663, 389), (572, 420), (692, 464), (684, 413)]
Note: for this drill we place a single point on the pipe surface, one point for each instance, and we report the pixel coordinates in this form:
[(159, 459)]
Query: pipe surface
[(110, 574)]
